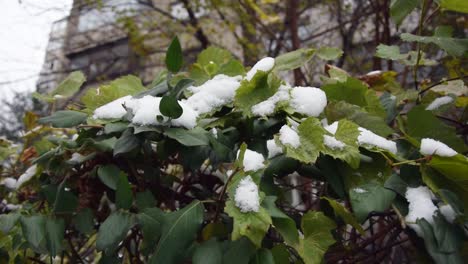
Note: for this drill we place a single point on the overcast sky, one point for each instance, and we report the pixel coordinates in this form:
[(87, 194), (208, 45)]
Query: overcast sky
[(24, 33)]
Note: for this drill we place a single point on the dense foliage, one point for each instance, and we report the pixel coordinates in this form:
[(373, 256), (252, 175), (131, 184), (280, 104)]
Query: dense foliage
[(223, 165)]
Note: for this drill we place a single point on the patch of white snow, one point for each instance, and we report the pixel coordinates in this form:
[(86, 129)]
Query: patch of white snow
[(368, 137), (246, 197), (430, 146), (289, 136), (265, 65), (308, 100)]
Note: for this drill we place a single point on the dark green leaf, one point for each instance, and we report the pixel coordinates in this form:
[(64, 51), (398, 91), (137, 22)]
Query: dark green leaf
[(453, 46), (179, 230), (399, 9), (126, 143), (115, 127), (150, 221), (34, 231), (208, 252), (283, 223), (193, 137), (423, 124), (123, 194), (262, 256), (170, 107), (371, 197), (174, 56), (113, 230), (8, 221), (342, 212), (145, 200), (64, 118), (55, 233), (109, 175), (239, 252), (84, 221)]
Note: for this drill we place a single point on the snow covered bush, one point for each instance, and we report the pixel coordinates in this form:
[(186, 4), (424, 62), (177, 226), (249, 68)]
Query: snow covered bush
[(222, 165)]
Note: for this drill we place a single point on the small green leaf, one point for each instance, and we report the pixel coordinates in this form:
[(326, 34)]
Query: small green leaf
[(115, 127), (123, 194), (455, 5), (126, 143), (106, 93), (174, 57), (239, 251), (193, 137), (113, 230), (390, 52), (64, 118), (347, 133), (70, 85), (329, 53), (150, 221), (293, 60), (311, 136), (316, 228), (55, 233), (399, 9), (342, 212), (145, 200), (170, 107)]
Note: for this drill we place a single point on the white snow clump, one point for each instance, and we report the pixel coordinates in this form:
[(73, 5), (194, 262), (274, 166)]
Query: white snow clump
[(332, 142), (438, 102), (289, 136), (113, 109), (265, 64), (253, 160), (420, 206), (430, 146), (308, 100), (267, 107), (246, 197), (332, 128), (369, 138), (273, 148)]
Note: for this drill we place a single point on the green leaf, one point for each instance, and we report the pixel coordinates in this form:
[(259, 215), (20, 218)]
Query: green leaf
[(329, 53), (253, 225), (455, 5), (174, 56), (106, 93), (60, 199), (280, 253), (282, 222), (34, 231), (179, 230), (347, 133), (193, 137), (423, 124), (263, 256), (55, 233), (150, 221), (311, 136), (390, 52), (344, 214), (208, 252), (68, 87), (453, 168), (170, 107), (293, 60), (115, 127), (64, 118), (399, 9), (109, 175), (239, 251), (432, 246), (262, 86), (123, 194), (113, 230), (84, 221), (453, 46), (8, 221), (371, 197), (126, 142), (342, 110), (145, 200), (317, 237)]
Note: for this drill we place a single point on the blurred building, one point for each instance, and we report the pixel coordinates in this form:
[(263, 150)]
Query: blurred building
[(109, 38)]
